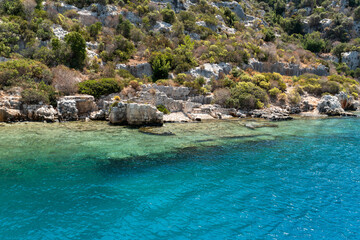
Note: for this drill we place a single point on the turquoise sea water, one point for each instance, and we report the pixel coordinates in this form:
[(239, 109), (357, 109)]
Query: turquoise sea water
[(296, 180)]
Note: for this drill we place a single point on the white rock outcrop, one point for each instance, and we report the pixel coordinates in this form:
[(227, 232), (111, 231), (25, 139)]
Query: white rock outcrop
[(135, 114), (330, 105), (288, 69), (140, 70), (351, 59), (210, 70)]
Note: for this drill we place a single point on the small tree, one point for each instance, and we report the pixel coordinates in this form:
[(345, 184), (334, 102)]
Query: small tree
[(77, 45), (124, 27), (94, 29), (160, 67)]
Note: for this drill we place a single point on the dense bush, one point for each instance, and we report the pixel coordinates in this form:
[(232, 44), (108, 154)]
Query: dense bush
[(313, 42), (77, 44), (99, 87), (184, 59), (333, 84), (168, 15), (22, 72), (34, 96), (161, 66), (39, 93), (246, 95)]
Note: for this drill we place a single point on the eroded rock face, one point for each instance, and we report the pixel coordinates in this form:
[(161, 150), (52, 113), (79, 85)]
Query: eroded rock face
[(10, 115), (40, 113), (84, 103), (98, 115), (176, 5), (162, 27), (210, 70), (273, 114), (288, 69), (139, 70), (135, 114), (352, 59), (233, 6), (330, 105), (67, 109), (347, 102), (118, 114)]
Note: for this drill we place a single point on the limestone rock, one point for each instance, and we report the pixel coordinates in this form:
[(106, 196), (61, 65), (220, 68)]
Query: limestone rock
[(233, 6), (58, 31), (40, 113), (10, 115), (288, 69), (143, 114), (210, 70), (272, 113), (140, 70), (330, 105), (162, 27), (98, 115), (84, 103), (347, 102), (135, 114), (67, 109), (352, 59), (118, 114)]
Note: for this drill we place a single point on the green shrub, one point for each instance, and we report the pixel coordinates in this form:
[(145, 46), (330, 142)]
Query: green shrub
[(123, 49), (357, 14), (163, 109), (246, 95), (274, 92), (77, 44), (184, 59), (168, 15), (34, 96), (124, 27), (99, 87), (161, 66), (22, 72), (313, 42), (269, 34), (294, 97), (94, 29)]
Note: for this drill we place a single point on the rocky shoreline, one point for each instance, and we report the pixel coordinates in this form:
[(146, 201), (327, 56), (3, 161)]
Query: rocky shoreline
[(140, 108)]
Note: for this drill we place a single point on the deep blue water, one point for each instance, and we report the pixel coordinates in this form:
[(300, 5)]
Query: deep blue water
[(301, 186)]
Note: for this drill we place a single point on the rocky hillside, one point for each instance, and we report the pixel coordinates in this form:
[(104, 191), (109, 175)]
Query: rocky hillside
[(243, 54)]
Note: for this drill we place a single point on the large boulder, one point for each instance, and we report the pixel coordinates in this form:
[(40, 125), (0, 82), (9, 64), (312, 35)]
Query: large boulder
[(118, 114), (331, 106), (67, 109), (40, 113), (139, 70), (233, 6), (84, 103), (347, 101), (135, 114), (143, 114), (352, 59), (162, 27), (10, 115)]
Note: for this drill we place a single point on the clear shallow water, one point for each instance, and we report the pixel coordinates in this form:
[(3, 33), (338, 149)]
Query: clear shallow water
[(300, 180)]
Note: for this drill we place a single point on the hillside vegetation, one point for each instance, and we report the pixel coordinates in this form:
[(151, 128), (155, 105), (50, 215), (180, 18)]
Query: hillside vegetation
[(56, 48)]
